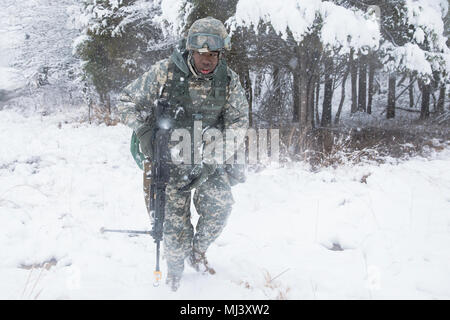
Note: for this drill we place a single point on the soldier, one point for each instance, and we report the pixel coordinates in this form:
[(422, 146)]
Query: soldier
[(197, 80)]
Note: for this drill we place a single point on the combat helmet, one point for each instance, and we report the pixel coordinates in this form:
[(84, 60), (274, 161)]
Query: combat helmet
[(208, 34)]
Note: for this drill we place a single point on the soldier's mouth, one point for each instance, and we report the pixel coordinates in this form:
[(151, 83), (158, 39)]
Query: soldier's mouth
[(205, 71)]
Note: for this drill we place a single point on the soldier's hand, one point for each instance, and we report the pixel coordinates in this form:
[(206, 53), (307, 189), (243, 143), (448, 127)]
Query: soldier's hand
[(145, 135), (199, 174)]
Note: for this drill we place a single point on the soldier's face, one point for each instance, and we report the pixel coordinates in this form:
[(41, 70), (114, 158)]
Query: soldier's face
[(206, 62)]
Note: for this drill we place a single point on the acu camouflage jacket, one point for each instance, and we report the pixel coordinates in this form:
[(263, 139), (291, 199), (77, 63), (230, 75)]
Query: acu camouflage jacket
[(139, 97)]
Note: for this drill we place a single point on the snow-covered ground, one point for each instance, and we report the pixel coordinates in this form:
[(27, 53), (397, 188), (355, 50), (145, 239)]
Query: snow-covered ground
[(356, 232)]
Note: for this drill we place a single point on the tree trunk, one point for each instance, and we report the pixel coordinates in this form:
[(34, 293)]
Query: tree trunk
[(425, 108), (304, 123), (105, 101), (354, 77), (411, 94), (296, 95), (276, 84), (328, 94), (303, 80), (371, 80), (257, 86), (312, 102), (235, 58), (308, 56), (434, 99), (341, 103), (362, 85), (391, 97), (90, 109), (316, 100), (249, 93), (441, 99), (311, 87), (108, 103)]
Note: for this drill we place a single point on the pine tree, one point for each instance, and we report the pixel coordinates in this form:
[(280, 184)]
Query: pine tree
[(114, 43), (414, 46)]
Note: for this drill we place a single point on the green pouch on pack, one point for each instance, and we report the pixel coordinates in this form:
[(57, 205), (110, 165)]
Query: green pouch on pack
[(138, 156)]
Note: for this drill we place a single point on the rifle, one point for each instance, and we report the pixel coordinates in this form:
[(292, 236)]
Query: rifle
[(159, 177), (160, 174)]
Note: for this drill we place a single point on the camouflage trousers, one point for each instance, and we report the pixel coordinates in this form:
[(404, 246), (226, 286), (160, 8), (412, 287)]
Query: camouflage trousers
[(212, 200)]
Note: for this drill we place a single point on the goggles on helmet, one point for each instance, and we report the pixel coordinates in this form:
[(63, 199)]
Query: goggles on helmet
[(205, 41)]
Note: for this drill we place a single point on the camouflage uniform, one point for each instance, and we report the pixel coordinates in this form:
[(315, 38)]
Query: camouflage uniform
[(213, 199)]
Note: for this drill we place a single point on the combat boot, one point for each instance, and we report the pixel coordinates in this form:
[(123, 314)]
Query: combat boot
[(173, 282), (198, 261)]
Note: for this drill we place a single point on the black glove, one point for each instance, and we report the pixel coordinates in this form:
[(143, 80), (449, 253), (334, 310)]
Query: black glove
[(199, 174), (235, 173), (145, 136)]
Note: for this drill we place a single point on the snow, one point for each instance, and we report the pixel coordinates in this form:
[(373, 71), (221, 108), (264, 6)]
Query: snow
[(358, 32), (11, 79), (10, 38), (429, 15), (37, 69), (388, 224), (300, 17), (174, 14), (411, 57), (427, 19), (365, 231), (97, 18)]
